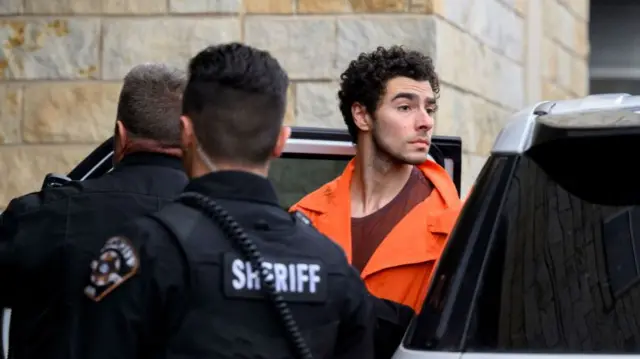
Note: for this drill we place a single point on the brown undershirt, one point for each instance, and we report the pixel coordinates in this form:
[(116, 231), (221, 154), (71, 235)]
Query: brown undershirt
[(369, 231)]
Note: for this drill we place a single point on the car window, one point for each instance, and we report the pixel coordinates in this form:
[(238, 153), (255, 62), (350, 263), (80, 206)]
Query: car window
[(563, 272), (295, 177)]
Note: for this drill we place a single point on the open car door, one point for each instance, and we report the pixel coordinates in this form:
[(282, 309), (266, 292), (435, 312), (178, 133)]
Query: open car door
[(312, 157)]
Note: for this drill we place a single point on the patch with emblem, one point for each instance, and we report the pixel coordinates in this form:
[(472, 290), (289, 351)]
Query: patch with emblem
[(117, 262)]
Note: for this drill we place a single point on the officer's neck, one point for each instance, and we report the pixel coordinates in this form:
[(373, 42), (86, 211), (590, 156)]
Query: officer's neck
[(200, 169)]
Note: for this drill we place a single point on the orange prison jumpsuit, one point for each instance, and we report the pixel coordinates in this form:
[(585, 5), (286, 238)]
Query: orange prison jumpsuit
[(400, 268)]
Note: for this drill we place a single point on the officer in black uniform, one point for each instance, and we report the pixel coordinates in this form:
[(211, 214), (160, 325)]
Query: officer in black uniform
[(225, 272), (47, 238)]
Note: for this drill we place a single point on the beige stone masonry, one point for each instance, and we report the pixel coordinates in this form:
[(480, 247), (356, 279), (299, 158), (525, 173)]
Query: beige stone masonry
[(62, 62)]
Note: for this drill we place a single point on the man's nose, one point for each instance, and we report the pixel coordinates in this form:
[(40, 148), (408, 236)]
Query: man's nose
[(424, 120)]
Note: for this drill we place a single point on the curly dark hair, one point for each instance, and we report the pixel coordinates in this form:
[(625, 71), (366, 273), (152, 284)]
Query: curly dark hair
[(236, 98), (365, 79)]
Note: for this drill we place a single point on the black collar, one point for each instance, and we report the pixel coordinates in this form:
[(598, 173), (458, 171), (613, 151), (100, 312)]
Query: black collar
[(151, 159), (235, 185)]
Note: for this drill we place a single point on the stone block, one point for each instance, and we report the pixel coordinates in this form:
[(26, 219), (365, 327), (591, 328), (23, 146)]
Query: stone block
[(11, 7), (550, 20), (290, 115), (268, 6), (566, 27), (551, 91), (549, 59), (580, 8), (378, 6), (464, 62), (580, 77), (61, 7), (488, 120), (476, 120), (517, 6), (494, 23), (317, 105), (520, 6), (129, 42), (581, 39), (426, 6), (11, 97), (65, 7), (323, 6), (305, 46), (205, 6), (455, 49), (27, 166), (49, 49), (511, 39), (131, 6), (565, 63), (358, 6), (472, 164), (70, 113), (507, 82), (364, 34), (455, 117)]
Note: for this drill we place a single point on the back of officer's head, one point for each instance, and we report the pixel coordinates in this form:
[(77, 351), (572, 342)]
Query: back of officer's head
[(234, 107), (149, 109)]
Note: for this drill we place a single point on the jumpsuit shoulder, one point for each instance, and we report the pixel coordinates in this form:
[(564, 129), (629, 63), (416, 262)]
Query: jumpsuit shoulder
[(330, 252)]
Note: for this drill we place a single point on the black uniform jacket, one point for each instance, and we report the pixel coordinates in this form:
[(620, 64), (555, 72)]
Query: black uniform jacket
[(198, 297), (48, 238)]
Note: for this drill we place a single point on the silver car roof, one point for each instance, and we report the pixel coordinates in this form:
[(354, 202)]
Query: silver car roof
[(603, 112)]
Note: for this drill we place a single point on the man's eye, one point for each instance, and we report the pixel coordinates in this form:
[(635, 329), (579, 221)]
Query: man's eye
[(404, 108)]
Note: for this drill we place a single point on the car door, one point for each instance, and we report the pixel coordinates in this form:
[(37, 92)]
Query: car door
[(315, 156), (544, 261)]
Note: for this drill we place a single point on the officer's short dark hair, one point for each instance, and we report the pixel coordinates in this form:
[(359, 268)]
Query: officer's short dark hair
[(150, 102), (236, 98)]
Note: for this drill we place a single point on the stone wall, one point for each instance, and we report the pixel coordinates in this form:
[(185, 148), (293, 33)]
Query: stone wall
[(62, 62)]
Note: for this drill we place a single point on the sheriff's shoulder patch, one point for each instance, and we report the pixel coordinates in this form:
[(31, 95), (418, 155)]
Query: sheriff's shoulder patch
[(117, 262)]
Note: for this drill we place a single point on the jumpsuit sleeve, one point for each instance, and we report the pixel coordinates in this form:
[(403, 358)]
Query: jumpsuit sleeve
[(135, 294), (358, 322)]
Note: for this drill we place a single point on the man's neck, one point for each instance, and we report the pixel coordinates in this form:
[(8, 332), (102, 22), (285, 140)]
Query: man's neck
[(376, 181), (149, 146)]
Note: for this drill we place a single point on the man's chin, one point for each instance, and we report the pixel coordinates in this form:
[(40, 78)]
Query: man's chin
[(415, 160)]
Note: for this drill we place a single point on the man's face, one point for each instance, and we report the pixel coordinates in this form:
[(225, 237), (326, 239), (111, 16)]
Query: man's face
[(403, 122)]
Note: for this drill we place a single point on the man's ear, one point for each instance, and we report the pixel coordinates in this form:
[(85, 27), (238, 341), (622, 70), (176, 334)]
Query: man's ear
[(283, 136), (361, 117), (186, 131), (119, 141)]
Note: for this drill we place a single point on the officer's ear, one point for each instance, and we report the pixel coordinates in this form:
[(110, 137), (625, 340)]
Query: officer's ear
[(119, 141), (186, 131), (283, 136)]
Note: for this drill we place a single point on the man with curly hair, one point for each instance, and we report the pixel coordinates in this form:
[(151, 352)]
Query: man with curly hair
[(391, 209)]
